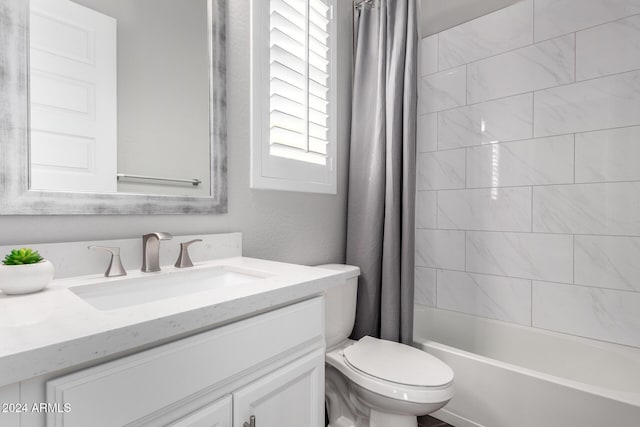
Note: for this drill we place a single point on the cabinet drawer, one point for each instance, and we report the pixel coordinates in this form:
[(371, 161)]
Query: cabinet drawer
[(122, 391)]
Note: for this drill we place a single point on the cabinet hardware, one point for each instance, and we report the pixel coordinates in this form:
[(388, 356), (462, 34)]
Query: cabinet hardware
[(251, 423)]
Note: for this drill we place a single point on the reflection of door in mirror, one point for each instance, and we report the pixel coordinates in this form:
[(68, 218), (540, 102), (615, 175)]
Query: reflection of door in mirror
[(73, 98), (120, 96)]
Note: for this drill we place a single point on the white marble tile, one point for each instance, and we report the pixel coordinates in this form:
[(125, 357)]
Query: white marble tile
[(608, 262), (557, 17), (543, 65), (501, 298), (440, 249), (427, 133), (608, 155), (531, 162), (497, 32), (611, 209), (602, 314), (441, 170), (425, 286), (507, 119), (497, 209), (524, 255), (602, 103), (441, 91), (608, 49), (428, 63), (426, 209)]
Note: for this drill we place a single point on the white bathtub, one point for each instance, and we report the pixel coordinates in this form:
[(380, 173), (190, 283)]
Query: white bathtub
[(513, 376)]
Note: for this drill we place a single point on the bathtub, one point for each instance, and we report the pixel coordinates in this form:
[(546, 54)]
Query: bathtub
[(508, 375)]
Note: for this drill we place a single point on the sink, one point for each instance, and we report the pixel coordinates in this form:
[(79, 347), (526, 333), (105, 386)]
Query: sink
[(126, 292)]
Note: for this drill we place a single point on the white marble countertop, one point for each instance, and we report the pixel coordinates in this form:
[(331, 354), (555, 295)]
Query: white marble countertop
[(55, 329)]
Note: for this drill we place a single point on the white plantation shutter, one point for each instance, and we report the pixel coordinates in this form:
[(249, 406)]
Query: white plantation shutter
[(293, 92)]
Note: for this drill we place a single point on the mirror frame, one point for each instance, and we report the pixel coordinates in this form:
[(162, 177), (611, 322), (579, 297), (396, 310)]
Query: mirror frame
[(16, 198)]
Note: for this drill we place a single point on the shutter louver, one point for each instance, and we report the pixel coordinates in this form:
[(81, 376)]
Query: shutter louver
[(299, 72)]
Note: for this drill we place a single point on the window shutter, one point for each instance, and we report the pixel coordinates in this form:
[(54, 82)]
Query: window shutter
[(297, 131)]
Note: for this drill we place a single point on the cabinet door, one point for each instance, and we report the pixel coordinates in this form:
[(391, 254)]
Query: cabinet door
[(217, 414), (292, 396)]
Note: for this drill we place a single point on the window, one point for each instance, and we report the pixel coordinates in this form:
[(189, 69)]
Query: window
[(293, 118)]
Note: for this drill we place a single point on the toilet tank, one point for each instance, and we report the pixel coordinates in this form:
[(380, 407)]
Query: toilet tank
[(340, 305)]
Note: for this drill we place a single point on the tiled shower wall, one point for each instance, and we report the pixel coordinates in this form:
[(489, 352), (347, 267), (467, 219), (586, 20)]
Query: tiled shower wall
[(528, 206)]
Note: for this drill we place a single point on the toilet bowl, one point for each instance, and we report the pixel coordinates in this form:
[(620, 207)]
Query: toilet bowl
[(373, 382)]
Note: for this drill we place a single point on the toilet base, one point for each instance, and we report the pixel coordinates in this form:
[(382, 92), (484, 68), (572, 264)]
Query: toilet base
[(381, 419)]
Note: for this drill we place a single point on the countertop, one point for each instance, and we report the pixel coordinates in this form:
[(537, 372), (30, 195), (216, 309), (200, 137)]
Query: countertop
[(55, 329)]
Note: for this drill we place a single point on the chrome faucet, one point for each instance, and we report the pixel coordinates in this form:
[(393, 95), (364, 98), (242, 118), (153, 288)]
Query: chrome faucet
[(151, 251)]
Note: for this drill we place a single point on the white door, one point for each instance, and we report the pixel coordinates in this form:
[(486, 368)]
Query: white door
[(217, 414), (292, 396), (73, 98)]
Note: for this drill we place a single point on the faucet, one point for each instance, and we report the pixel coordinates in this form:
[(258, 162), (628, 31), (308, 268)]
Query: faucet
[(151, 251)]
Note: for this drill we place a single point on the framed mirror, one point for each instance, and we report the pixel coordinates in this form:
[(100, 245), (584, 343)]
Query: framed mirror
[(112, 107)]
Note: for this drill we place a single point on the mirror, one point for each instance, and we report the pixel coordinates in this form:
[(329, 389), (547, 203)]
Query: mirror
[(125, 107)]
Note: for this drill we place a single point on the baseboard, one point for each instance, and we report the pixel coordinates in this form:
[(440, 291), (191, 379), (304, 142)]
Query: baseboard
[(453, 419)]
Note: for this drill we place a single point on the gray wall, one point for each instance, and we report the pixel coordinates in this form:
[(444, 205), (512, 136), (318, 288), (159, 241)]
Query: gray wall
[(293, 227)]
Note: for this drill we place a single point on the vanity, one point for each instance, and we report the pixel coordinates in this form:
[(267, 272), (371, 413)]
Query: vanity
[(232, 341)]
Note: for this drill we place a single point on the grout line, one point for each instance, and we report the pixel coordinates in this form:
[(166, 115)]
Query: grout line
[(535, 138), (538, 233), (579, 30), (559, 184), (535, 91), (579, 285)]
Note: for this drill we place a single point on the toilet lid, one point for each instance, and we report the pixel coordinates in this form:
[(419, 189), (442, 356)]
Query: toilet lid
[(398, 363)]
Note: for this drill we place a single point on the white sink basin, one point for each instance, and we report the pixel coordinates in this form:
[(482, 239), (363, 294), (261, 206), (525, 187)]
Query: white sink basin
[(114, 294)]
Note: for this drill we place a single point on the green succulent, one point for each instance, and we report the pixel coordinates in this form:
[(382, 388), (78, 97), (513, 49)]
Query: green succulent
[(22, 256)]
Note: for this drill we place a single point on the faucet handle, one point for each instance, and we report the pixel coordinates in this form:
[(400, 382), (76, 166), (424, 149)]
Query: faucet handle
[(184, 260), (115, 268)]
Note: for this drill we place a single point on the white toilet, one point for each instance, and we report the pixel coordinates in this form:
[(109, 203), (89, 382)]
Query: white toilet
[(372, 382)]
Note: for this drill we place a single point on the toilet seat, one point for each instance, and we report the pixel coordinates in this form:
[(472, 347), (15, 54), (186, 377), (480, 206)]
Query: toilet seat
[(388, 388), (398, 363)]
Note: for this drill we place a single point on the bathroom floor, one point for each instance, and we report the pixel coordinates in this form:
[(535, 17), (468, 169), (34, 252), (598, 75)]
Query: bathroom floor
[(428, 421)]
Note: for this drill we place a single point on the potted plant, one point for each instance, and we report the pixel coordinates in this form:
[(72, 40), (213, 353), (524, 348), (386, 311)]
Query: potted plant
[(24, 271)]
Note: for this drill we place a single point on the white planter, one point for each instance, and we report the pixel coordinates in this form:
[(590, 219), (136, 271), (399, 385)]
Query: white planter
[(24, 279)]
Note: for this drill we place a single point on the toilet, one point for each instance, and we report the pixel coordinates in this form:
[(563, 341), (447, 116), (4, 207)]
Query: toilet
[(373, 382)]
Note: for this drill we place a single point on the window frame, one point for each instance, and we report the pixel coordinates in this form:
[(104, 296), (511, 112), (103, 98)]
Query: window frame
[(301, 176)]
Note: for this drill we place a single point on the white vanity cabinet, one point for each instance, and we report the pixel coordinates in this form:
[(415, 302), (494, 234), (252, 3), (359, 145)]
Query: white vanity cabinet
[(217, 414), (270, 366)]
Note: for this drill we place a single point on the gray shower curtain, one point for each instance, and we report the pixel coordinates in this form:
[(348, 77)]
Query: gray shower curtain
[(381, 206)]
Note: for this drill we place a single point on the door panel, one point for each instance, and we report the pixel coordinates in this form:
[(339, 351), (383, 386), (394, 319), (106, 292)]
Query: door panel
[(73, 88)]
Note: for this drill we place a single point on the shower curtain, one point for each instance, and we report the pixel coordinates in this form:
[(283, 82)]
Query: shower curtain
[(381, 205)]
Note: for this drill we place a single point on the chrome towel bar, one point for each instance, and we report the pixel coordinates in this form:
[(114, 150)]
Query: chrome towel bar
[(195, 182)]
